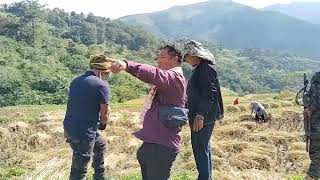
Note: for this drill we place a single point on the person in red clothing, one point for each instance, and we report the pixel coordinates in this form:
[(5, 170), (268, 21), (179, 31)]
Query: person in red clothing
[(236, 102)]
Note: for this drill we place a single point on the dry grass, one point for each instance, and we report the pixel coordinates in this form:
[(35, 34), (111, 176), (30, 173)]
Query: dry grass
[(241, 148), (232, 109), (251, 160)]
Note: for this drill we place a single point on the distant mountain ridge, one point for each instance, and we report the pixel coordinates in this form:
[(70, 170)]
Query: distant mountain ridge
[(233, 26), (308, 11)]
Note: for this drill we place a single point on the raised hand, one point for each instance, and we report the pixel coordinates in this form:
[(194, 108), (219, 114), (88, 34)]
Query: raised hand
[(118, 66)]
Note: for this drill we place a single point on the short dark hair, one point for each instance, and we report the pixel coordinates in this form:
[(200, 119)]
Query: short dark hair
[(173, 51)]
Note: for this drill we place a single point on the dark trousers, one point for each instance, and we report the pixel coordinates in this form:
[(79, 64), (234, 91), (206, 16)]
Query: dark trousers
[(202, 151), (314, 152), (82, 152), (260, 119), (155, 161)]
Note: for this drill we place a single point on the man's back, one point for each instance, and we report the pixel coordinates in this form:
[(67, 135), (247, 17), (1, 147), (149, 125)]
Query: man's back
[(256, 106), (86, 93)]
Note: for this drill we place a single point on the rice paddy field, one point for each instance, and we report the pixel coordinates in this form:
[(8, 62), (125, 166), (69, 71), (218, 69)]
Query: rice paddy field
[(32, 145)]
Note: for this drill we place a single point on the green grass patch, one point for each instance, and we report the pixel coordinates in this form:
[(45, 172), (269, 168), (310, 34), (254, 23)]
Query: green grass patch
[(296, 177), (132, 176), (137, 176), (8, 173), (28, 114), (32, 113)]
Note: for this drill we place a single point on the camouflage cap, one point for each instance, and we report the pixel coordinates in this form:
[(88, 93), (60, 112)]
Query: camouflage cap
[(101, 62), (195, 48)]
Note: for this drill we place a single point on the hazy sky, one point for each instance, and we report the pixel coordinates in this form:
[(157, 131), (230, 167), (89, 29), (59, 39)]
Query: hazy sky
[(118, 8)]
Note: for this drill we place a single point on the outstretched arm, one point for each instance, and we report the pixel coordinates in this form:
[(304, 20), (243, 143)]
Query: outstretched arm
[(163, 79)]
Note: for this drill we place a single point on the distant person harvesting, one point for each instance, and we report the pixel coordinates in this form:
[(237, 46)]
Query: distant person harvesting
[(260, 112)]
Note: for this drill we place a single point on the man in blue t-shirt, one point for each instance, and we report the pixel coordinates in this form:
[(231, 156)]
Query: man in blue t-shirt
[(88, 98)]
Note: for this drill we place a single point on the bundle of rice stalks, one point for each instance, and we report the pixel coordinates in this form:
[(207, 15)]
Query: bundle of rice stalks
[(246, 118), (114, 117), (51, 127), (255, 174), (250, 160), (129, 165), (217, 151), (113, 161), (287, 104), (19, 134), (118, 131), (186, 137), (132, 146), (223, 175), (50, 116), (114, 140), (17, 114), (298, 156), (243, 108), (232, 109), (248, 125), (54, 168), (4, 134), (274, 105), (125, 119), (276, 138), (186, 154), (297, 161), (136, 117), (231, 131), (39, 140), (22, 135), (263, 148), (290, 121), (124, 122), (233, 146), (225, 121), (297, 146), (265, 105), (188, 165), (19, 126), (218, 163)]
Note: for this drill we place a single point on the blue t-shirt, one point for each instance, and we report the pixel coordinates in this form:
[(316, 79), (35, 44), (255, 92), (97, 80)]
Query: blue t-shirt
[(86, 93)]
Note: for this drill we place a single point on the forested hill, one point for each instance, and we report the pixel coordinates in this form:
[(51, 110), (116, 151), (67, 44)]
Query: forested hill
[(42, 50)]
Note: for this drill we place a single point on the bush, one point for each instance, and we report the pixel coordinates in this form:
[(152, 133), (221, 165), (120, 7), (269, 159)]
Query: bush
[(11, 86), (125, 87)]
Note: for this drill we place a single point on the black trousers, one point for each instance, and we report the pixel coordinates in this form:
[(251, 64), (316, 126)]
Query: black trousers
[(155, 161), (260, 119), (82, 152), (314, 152)]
